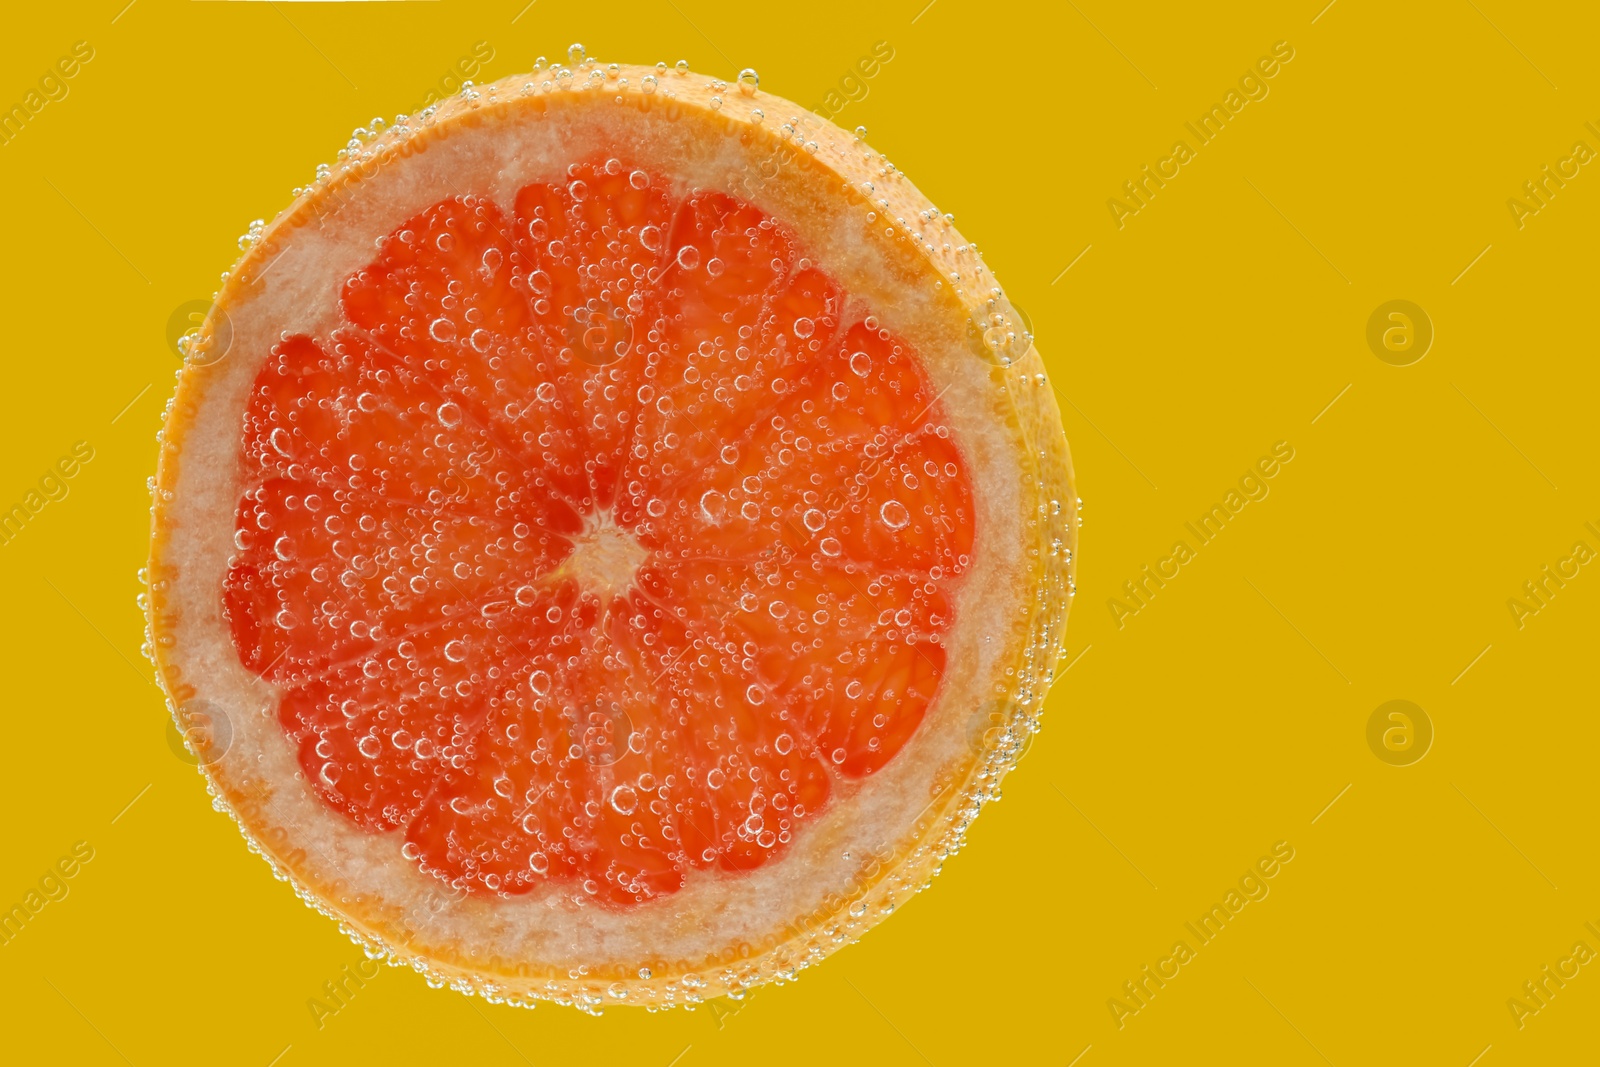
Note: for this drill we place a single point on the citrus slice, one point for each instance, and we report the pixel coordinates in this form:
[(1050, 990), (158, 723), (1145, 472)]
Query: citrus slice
[(615, 534)]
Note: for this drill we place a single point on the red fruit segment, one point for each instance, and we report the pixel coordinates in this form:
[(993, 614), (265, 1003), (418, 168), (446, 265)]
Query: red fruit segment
[(600, 546), (593, 249)]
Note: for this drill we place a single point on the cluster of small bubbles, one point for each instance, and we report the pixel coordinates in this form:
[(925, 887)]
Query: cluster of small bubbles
[(252, 235)]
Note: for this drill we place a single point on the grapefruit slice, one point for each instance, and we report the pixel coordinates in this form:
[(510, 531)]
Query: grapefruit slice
[(616, 534)]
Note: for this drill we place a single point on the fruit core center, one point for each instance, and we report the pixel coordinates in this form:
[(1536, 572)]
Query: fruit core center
[(604, 557)]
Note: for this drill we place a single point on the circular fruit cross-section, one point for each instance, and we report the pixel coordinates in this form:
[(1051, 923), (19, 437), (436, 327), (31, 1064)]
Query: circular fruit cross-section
[(624, 540)]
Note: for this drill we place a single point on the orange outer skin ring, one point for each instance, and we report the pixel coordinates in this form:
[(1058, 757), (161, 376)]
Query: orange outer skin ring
[(816, 156)]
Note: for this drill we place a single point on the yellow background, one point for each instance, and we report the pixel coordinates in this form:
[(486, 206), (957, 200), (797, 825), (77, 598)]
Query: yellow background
[(1223, 717)]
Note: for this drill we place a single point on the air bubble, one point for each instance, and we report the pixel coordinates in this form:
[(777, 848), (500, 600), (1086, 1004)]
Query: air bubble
[(624, 800), (714, 506)]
